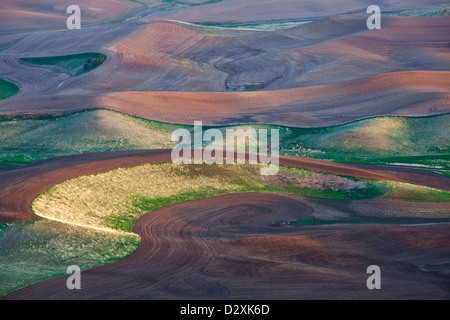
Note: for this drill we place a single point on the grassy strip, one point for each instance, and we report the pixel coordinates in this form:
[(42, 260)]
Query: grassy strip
[(7, 89), (25, 141), (418, 142), (413, 193), (441, 10), (437, 267), (22, 140), (274, 25), (73, 65), (116, 199), (35, 251)]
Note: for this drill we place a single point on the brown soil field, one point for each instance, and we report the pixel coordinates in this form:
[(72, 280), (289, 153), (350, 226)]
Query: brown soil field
[(327, 72), (19, 187), (162, 66), (261, 10), (29, 15), (226, 247), (422, 92), (232, 247), (303, 107)]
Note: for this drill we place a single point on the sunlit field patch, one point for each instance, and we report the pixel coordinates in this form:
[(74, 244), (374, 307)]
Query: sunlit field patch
[(380, 140), (35, 251), (116, 199), (28, 140)]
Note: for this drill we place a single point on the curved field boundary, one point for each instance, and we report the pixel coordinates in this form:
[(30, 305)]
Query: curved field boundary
[(220, 247), (231, 247), (7, 89), (406, 93), (19, 187)]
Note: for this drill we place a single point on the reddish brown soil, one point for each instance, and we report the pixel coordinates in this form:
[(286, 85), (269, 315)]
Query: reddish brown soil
[(233, 247), (30, 15), (327, 72), (260, 10), (19, 187), (229, 247)]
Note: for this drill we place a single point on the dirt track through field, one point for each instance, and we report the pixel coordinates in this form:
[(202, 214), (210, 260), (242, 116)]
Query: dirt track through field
[(234, 246)]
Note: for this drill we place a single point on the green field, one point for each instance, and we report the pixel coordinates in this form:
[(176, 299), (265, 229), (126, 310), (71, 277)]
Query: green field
[(389, 140), (35, 251), (73, 65), (7, 89), (440, 10), (31, 139), (418, 142), (116, 199), (27, 140), (87, 221)]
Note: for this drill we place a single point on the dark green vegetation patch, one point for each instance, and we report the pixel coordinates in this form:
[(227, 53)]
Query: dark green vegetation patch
[(7, 89), (73, 65)]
